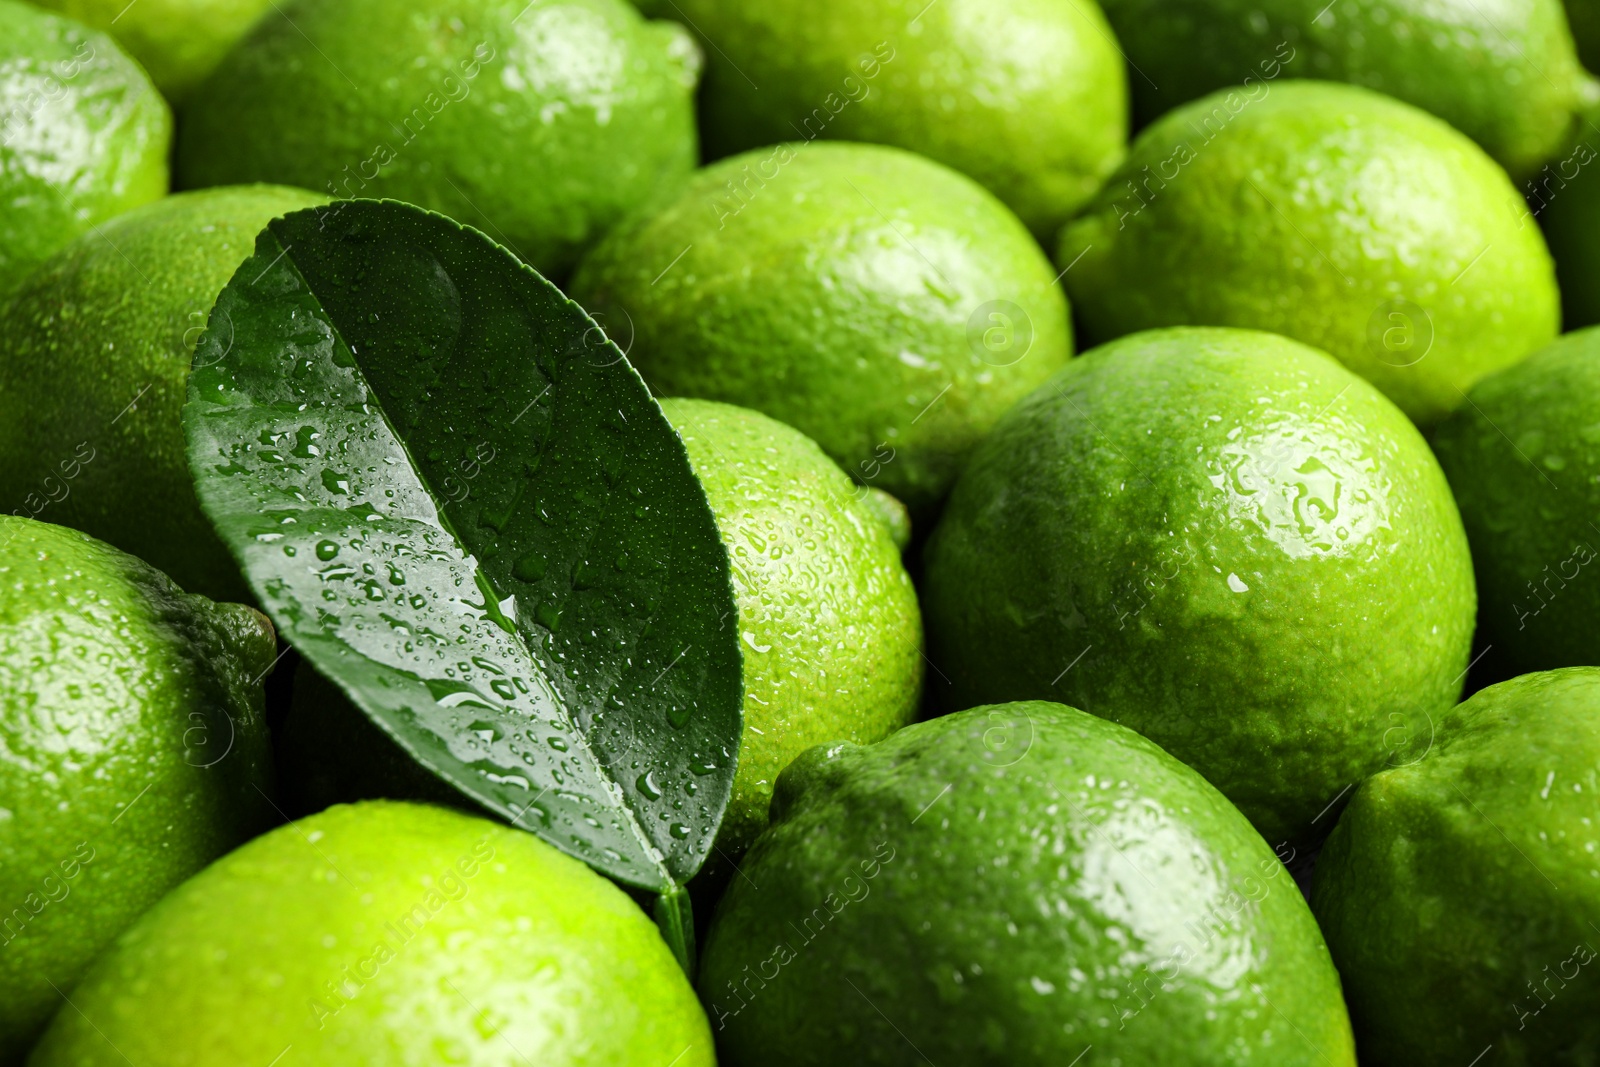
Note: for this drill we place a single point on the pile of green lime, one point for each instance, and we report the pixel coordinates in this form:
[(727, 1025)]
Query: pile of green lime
[(581, 533)]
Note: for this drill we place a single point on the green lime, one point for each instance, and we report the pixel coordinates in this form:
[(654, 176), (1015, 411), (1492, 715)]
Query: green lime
[(885, 306), (1565, 198), (1505, 75), (1460, 891), (1028, 97), (1224, 540), (387, 933), (1330, 214), (132, 753), (1584, 18), (83, 136), (1524, 461), (1016, 885), (179, 42), (94, 364), (892, 513), (541, 123), (828, 620)]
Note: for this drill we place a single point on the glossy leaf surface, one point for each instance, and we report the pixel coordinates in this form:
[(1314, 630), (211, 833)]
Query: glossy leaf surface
[(459, 501)]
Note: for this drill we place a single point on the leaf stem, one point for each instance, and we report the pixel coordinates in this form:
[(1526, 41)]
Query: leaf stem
[(674, 914)]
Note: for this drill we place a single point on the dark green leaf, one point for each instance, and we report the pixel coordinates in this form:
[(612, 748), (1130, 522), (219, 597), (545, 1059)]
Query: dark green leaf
[(461, 504)]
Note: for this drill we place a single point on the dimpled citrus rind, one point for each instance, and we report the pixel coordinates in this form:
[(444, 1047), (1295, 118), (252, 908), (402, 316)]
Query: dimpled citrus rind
[(178, 41), (94, 362), (83, 136), (882, 304), (388, 933), (1327, 213), (1028, 97), (1507, 76), (1224, 540), (132, 752), (1523, 459), (1459, 892), (828, 619), (539, 123), (1050, 875)]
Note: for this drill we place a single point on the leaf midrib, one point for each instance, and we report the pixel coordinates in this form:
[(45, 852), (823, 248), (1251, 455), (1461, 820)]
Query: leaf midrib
[(614, 788)]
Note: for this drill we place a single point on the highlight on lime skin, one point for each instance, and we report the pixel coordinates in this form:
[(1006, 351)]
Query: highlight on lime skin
[(596, 532)]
